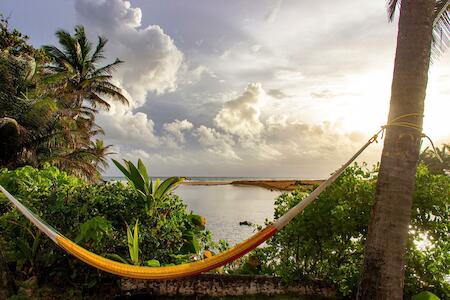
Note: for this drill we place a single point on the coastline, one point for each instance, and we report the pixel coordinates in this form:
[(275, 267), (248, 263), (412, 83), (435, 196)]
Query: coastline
[(280, 185)]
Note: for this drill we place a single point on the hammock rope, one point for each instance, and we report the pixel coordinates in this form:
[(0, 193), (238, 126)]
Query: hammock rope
[(197, 267)]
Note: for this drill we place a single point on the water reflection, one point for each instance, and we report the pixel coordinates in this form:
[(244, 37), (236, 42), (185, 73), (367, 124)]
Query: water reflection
[(224, 206)]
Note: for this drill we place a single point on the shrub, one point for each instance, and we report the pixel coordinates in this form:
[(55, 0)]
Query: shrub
[(326, 241), (95, 215)]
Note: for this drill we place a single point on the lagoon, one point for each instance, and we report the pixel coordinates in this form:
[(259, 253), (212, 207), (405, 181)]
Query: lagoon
[(224, 206)]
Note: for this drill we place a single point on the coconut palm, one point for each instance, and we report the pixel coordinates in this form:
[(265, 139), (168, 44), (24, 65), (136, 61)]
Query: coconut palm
[(385, 247), (100, 151), (75, 72)]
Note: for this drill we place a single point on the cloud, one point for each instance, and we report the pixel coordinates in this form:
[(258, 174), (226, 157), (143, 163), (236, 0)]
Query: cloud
[(241, 115), (152, 60), (216, 142), (175, 132), (323, 94), (125, 127), (278, 94), (272, 15)]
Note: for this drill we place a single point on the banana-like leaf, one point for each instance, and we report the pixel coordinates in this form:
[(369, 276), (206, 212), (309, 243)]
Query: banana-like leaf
[(143, 170), (130, 244), (133, 243), (168, 185), (122, 169), (157, 183), (136, 243), (136, 176)]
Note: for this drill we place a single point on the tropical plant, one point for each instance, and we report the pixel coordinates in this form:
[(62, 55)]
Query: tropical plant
[(48, 101), (133, 243), (437, 160), (94, 232), (94, 215), (420, 22), (153, 194), (75, 72), (327, 240)]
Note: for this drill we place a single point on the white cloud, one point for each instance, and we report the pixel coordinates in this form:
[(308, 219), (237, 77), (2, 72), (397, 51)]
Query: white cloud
[(216, 142), (241, 115), (151, 57), (175, 132), (272, 15), (124, 127)]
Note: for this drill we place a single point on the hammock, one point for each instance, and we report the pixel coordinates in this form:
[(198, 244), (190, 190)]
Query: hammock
[(188, 269)]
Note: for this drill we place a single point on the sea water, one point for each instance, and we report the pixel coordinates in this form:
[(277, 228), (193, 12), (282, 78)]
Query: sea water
[(225, 206)]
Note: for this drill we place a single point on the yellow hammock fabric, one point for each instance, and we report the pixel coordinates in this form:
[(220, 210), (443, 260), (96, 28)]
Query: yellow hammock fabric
[(188, 269)]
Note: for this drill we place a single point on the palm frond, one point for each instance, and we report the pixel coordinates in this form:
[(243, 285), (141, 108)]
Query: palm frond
[(108, 69), (391, 8), (98, 53), (441, 27), (110, 90), (441, 24), (85, 44), (68, 43)]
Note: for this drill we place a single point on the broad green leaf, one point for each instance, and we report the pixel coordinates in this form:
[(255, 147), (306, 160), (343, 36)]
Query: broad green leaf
[(157, 183), (136, 177), (153, 263), (122, 169), (168, 185), (136, 242), (143, 170)]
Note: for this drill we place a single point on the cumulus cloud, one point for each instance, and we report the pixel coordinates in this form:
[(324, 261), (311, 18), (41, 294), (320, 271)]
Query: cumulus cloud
[(175, 132), (241, 115), (152, 64), (216, 142), (124, 127), (151, 56)]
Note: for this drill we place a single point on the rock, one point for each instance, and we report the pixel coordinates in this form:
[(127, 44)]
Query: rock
[(245, 223)]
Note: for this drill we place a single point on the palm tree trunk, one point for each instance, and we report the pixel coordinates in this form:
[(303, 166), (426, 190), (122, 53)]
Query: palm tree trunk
[(385, 247)]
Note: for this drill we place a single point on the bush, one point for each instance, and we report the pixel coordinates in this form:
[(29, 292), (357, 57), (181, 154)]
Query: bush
[(95, 215), (326, 241)]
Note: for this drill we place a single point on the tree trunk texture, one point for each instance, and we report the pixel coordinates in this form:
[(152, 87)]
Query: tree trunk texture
[(6, 281), (383, 275)]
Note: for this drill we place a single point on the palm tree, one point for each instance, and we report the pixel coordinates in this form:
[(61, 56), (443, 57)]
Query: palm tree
[(75, 72), (100, 152), (385, 247)]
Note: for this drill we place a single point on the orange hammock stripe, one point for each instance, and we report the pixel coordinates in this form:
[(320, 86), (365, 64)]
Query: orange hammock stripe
[(168, 272)]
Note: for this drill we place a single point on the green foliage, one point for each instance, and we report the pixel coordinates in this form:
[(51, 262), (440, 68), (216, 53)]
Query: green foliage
[(425, 296), (326, 240), (152, 263), (156, 194), (94, 232), (49, 99), (153, 194), (133, 243), (13, 41), (437, 160), (95, 216)]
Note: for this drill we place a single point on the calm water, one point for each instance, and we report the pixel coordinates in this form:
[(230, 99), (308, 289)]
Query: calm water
[(224, 206)]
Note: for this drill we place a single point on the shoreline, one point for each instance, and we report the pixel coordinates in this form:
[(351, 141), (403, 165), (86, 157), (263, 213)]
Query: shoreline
[(280, 185)]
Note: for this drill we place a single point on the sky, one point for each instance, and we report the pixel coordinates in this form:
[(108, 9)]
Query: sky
[(242, 87)]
